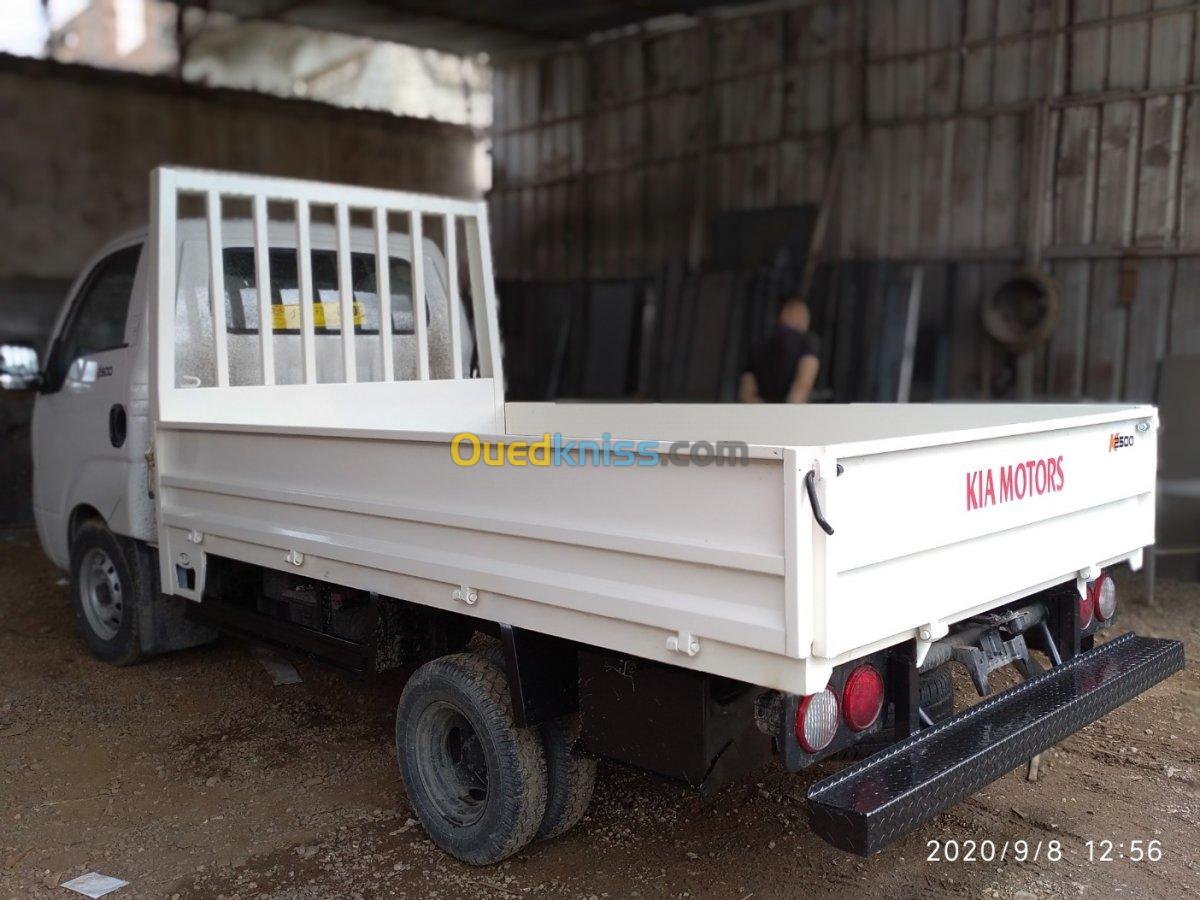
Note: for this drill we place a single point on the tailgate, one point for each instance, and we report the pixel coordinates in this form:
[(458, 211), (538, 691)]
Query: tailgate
[(927, 535)]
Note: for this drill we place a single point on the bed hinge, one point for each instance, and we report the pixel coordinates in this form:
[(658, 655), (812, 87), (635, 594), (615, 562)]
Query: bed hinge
[(683, 642)]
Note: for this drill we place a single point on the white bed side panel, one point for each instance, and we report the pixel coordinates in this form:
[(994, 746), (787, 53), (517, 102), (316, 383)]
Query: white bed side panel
[(662, 550)]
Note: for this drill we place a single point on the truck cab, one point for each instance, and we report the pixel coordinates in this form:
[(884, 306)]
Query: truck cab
[(92, 423), (90, 428)]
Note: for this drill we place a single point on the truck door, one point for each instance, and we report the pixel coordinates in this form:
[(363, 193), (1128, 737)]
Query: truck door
[(80, 424)]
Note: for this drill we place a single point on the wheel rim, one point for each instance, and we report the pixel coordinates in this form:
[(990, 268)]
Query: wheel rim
[(100, 592), (452, 764)]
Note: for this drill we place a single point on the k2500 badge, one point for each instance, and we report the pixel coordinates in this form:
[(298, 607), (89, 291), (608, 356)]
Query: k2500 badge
[(1117, 441)]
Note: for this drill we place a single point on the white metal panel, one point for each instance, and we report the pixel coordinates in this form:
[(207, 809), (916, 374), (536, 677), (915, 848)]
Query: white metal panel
[(305, 284), (297, 190), (442, 405), (418, 292), (798, 557), (600, 549), (487, 327), (925, 535), (383, 287), (896, 504), (891, 601), (451, 232), (346, 294), (868, 426), (216, 287), (262, 287), (718, 656), (162, 247), (344, 404)]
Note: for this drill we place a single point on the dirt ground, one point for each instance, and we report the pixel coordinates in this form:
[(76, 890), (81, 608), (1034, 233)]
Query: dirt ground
[(192, 775)]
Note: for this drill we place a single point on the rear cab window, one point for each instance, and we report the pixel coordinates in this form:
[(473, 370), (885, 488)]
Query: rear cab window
[(241, 295)]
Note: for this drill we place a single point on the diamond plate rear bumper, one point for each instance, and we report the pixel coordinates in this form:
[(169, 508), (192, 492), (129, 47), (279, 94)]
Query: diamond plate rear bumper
[(868, 805)]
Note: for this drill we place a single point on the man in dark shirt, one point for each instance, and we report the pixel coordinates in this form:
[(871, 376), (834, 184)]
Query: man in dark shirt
[(783, 368)]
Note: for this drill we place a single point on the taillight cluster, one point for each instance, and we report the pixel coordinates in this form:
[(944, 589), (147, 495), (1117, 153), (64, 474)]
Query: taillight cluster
[(1100, 602), (1104, 595), (862, 698), (861, 702)]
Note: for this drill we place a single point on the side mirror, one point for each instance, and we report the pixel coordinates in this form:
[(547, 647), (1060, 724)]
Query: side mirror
[(19, 368)]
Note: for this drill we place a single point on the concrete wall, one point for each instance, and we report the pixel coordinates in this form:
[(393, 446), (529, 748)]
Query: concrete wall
[(76, 149), (78, 145), (975, 134)]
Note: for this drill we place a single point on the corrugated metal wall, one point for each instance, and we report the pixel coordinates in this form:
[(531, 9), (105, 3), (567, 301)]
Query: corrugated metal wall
[(977, 133)]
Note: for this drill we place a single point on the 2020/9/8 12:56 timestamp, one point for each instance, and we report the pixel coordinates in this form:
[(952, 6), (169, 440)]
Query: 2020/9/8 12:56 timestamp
[(968, 851)]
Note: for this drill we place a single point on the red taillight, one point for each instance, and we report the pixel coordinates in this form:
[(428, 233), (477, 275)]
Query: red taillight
[(1104, 597), (1087, 610), (862, 699), (817, 720)]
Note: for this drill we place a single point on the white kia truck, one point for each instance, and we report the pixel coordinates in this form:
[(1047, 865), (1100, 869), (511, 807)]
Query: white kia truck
[(282, 414)]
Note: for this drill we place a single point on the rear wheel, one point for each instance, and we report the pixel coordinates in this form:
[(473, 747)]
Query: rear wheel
[(476, 780), (570, 777), (937, 692)]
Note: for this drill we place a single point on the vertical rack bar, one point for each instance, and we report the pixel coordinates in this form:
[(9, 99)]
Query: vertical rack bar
[(308, 347), (483, 290), (262, 287), (452, 296), (163, 209), (216, 288), (345, 296), (418, 290), (383, 289)]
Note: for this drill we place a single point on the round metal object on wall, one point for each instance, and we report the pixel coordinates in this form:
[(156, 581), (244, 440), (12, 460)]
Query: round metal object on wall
[(1022, 312)]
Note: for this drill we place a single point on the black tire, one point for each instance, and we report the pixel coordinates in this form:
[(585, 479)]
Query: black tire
[(476, 781), (570, 777), (109, 585), (937, 692)]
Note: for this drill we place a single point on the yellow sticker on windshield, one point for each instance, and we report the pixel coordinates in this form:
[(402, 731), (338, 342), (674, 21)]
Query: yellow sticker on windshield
[(286, 316)]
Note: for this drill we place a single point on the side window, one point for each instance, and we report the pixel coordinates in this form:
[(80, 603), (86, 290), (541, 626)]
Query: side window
[(97, 321)]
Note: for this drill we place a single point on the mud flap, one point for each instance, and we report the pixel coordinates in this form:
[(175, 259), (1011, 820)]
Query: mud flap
[(165, 627), (868, 805)]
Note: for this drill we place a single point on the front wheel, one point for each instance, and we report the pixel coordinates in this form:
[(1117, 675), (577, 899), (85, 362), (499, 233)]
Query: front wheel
[(106, 590), (476, 780)]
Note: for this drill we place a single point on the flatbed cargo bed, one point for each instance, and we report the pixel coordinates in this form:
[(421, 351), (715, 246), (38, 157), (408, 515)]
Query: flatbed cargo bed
[(728, 555), (718, 564)]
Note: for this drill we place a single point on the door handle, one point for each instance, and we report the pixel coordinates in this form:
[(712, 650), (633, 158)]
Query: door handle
[(117, 425)]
